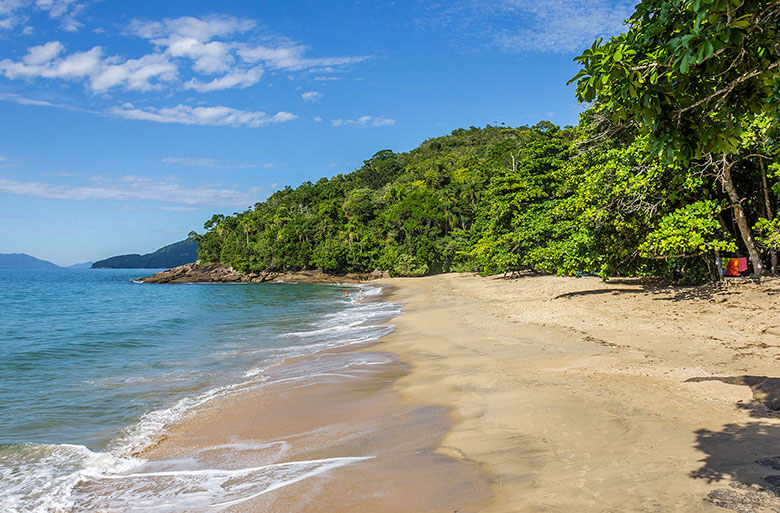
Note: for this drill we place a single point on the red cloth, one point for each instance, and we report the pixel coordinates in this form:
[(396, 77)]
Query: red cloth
[(732, 267), (742, 264)]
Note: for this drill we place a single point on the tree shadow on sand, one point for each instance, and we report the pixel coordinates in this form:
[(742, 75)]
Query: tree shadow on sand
[(766, 392), (749, 454), (749, 457)]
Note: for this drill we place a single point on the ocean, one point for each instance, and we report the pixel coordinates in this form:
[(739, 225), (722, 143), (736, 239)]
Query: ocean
[(94, 366)]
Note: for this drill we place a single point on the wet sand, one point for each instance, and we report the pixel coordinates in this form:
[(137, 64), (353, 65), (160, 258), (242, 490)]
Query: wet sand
[(346, 414), (580, 395), (540, 394)]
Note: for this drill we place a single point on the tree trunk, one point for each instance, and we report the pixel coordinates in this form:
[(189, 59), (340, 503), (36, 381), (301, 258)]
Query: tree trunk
[(769, 214), (742, 224)]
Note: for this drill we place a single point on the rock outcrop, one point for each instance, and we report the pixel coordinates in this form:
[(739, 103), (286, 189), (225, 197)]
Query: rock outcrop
[(196, 273)]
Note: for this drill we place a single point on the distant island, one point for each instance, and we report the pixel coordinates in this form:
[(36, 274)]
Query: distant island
[(24, 261), (173, 255)]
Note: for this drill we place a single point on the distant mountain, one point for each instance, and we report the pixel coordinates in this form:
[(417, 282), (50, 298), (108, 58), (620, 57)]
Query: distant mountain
[(179, 253), (85, 265), (22, 261)]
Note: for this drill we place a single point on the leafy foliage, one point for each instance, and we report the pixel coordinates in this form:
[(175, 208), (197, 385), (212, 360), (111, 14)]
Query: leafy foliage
[(675, 162)]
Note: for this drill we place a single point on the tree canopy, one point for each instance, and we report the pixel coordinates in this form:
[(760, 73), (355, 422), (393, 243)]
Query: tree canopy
[(673, 163)]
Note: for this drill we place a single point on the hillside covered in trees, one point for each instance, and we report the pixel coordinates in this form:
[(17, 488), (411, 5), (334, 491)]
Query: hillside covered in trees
[(674, 162), (172, 255)]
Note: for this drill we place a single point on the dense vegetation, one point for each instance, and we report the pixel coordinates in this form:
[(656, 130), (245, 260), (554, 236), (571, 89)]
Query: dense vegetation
[(674, 163), (178, 253)]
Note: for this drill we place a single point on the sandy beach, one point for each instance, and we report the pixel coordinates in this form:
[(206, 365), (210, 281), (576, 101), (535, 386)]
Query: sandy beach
[(533, 394), (581, 395)]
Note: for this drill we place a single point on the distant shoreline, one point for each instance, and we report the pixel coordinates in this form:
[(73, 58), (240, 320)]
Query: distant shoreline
[(196, 273)]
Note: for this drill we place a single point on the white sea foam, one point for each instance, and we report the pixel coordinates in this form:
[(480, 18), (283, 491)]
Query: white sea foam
[(39, 478)]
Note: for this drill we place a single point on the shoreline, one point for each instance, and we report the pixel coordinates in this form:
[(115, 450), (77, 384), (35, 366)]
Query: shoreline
[(575, 394), (320, 432), (534, 394)]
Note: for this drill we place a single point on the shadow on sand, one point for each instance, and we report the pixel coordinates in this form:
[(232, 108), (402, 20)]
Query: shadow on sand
[(766, 390), (747, 455)]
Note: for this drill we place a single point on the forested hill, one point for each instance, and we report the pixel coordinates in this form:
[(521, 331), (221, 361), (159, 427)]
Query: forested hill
[(178, 253), (674, 164)]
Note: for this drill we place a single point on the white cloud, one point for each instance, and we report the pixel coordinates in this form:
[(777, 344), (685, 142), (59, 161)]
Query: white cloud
[(200, 29), (204, 162), (133, 188), (21, 100), (101, 73), (563, 25), (241, 79), (37, 55), (17, 12), (40, 62), (268, 165), (364, 121), (290, 57), (200, 54), (136, 74), (207, 116), (317, 119), (312, 96), (552, 26)]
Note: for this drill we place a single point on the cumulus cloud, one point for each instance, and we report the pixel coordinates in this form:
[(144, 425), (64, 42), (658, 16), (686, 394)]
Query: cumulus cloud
[(102, 73), (241, 79), (207, 116), (204, 162), (312, 96), (132, 188), (200, 54), (41, 61), (136, 74), (364, 121), (210, 44), (16, 12), (200, 29)]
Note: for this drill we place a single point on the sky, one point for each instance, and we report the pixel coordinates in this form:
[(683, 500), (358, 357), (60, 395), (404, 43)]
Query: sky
[(125, 125)]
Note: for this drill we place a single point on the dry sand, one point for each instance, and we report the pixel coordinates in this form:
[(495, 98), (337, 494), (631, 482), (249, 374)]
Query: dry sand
[(585, 396)]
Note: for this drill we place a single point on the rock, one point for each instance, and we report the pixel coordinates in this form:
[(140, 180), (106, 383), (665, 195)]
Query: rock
[(196, 273)]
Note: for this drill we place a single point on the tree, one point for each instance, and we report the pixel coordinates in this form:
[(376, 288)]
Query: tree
[(690, 73)]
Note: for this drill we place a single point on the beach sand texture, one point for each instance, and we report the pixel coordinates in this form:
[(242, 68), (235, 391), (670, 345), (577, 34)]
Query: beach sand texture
[(535, 394), (581, 395)]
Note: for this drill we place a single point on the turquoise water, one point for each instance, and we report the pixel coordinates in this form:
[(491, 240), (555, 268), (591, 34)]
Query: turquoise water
[(93, 364)]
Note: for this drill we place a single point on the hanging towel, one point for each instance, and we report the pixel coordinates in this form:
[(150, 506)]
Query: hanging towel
[(732, 267), (742, 264), (719, 265)]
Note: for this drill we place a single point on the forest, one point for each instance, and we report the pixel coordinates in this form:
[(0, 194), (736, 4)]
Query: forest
[(674, 163)]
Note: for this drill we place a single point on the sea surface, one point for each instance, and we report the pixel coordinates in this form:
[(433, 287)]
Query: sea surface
[(94, 365)]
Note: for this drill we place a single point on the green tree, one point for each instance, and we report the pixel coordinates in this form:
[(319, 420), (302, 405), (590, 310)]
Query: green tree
[(689, 73)]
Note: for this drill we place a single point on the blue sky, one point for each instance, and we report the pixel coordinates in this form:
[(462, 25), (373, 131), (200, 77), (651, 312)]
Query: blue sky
[(127, 124)]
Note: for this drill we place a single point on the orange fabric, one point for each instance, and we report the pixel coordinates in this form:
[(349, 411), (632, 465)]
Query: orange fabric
[(732, 267)]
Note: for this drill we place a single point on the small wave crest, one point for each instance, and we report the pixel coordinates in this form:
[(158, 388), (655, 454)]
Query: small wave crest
[(41, 478), (54, 478)]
